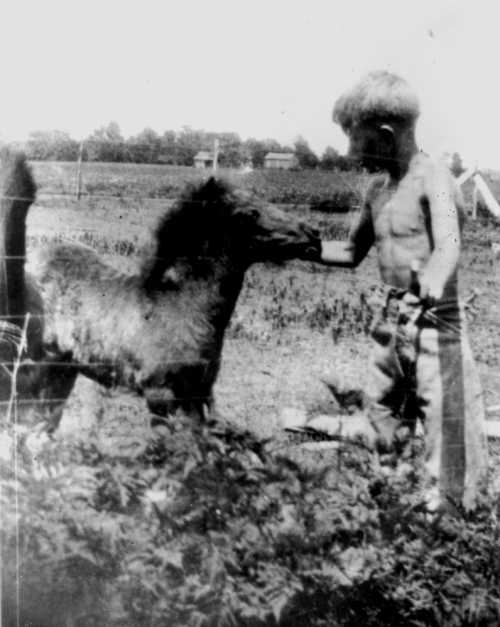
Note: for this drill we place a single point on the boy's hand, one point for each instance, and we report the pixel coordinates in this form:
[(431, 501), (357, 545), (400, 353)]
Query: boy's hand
[(337, 253), (329, 250), (431, 289)]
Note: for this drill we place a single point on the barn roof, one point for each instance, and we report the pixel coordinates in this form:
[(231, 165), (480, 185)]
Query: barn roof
[(282, 156), (204, 154)]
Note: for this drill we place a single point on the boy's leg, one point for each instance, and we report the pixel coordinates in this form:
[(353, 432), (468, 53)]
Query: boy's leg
[(476, 451), (451, 405)]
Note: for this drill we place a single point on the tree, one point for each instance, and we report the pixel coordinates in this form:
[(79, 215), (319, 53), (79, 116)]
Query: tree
[(305, 156), (231, 150), (189, 142), (51, 145), (106, 144), (456, 165), (332, 160), (257, 150), (145, 147), (168, 148), (329, 159)]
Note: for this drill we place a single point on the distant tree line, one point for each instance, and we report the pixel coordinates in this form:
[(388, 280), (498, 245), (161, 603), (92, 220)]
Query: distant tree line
[(173, 148)]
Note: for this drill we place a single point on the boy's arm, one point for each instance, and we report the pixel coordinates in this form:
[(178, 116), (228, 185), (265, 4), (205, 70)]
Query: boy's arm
[(445, 231), (350, 253)]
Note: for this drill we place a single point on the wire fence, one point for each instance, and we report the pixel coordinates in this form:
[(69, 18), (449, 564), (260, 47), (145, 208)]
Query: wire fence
[(14, 338), (345, 180), (81, 195), (154, 149), (14, 367)]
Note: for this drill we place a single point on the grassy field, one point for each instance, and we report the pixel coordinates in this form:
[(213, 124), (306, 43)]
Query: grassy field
[(224, 529), (282, 336), (157, 181)]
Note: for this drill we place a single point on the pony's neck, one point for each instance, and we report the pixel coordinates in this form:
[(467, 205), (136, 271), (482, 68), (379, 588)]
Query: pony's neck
[(211, 296)]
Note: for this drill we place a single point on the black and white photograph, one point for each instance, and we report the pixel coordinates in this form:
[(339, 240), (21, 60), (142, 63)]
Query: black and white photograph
[(249, 313)]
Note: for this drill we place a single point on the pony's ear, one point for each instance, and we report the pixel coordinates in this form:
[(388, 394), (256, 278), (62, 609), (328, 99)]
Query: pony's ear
[(211, 183), (213, 190)]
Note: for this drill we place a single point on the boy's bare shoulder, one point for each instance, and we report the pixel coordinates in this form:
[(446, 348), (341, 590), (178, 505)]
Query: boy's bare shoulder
[(428, 168), (425, 173), (435, 176)]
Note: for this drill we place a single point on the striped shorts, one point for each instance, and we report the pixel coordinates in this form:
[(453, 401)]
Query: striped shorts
[(422, 369)]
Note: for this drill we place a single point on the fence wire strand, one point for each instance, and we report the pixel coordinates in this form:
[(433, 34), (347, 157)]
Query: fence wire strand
[(136, 197)]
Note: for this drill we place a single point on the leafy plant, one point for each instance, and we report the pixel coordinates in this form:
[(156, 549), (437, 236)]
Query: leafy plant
[(212, 526)]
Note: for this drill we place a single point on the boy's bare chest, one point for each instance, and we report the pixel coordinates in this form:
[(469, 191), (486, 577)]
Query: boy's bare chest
[(399, 212)]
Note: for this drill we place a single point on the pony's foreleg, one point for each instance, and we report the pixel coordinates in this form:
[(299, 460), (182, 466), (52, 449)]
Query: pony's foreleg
[(42, 388), (58, 382), (162, 404), (181, 387)]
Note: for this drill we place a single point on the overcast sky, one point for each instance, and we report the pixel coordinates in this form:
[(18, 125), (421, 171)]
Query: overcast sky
[(262, 68)]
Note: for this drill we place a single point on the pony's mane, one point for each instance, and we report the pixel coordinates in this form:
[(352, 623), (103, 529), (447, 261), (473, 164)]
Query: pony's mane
[(192, 230)]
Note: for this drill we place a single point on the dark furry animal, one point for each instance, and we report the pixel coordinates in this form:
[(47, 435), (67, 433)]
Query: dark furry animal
[(160, 332), (17, 192)]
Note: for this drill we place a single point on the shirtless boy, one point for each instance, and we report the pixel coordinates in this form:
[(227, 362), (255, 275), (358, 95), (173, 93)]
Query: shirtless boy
[(413, 214)]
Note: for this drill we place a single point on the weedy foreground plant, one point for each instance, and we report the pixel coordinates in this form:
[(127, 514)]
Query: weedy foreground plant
[(211, 526)]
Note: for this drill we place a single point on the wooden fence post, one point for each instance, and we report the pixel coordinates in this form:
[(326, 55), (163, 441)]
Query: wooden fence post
[(475, 200), (216, 155), (489, 200), (79, 172), (465, 176), (480, 188)]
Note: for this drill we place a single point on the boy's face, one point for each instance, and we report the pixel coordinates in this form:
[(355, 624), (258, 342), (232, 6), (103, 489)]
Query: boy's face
[(372, 145)]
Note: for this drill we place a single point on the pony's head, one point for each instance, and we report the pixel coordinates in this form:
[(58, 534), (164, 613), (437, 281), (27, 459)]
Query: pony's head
[(212, 224)]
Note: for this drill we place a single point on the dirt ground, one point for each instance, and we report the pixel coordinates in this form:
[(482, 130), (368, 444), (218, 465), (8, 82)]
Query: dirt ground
[(285, 333)]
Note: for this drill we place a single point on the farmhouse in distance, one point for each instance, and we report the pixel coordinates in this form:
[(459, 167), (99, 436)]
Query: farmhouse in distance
[(280, 161), (204, 159)]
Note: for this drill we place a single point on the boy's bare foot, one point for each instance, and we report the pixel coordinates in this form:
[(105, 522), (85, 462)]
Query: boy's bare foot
[(351, 428), (347, 397)]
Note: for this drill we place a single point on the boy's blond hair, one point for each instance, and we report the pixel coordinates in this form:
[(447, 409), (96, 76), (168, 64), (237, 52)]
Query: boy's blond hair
[(378, 95)]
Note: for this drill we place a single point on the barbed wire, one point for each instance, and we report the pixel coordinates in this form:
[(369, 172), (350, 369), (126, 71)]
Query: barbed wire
[(85, 195), (58, 401), (108, 363)]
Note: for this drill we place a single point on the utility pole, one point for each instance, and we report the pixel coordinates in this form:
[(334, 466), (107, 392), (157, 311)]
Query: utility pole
[(79, 172), (216, 154)]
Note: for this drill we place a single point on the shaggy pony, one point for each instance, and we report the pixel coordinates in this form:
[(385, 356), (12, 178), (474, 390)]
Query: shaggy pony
[(159, 332)]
